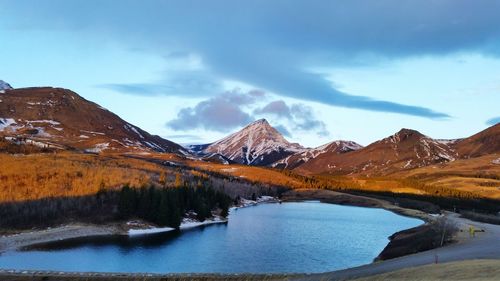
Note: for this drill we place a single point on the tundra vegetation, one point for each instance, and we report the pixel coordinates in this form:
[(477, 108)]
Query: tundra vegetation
[(39, 188)]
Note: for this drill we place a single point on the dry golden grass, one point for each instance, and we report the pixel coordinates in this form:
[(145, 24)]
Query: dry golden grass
[(477, 175), (463, 270), (35, 176), (251, 173), (387, 184)]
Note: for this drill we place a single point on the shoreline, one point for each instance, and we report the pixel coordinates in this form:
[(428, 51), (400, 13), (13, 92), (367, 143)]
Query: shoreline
[(28, 238), (375, 267), (346, 199), (23, 239)]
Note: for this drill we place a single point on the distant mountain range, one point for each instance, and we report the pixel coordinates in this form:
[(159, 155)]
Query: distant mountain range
[(60, 119), (260, 144)]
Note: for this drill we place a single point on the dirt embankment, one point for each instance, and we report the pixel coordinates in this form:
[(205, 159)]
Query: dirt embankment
[(27, 238), (472, 270)]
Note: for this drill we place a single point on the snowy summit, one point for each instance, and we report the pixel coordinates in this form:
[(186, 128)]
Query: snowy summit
[(4, 86), (256, 144)]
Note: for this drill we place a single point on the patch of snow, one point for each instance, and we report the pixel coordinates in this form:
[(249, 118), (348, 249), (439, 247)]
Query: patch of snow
[(92, 132), (83, 136), (446, 156), (447, 142), (6, 122), (252, 143), (153, 145), (128, 126), (98, 148), (142, 231), (49, 103), (496, 161), (4, 86), (186, 224)]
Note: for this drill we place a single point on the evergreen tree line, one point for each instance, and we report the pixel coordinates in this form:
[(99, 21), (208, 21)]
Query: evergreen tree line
[(166, 206), (98, 208)]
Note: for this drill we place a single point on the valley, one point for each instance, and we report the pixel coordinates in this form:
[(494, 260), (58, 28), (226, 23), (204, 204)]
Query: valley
[(64, 178)]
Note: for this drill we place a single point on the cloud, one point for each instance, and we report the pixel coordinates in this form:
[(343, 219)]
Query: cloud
[(283, 130), (493, 121), (278, 108), (181, 83), (272, 44), (299, 116), (220, 113)]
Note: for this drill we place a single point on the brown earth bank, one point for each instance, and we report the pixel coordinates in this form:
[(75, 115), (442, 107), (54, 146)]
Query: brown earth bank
[(463, 270)]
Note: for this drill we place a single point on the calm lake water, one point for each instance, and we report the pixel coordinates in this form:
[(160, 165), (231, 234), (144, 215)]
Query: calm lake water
[(288, 237)]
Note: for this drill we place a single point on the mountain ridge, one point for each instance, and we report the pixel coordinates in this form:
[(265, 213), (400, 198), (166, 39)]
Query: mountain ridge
[(258, 143), (60, 118)]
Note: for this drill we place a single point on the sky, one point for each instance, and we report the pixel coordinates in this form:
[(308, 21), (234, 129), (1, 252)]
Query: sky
[(193, 71)]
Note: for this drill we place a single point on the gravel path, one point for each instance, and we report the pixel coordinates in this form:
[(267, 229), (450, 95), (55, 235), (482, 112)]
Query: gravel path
[(16, 241)]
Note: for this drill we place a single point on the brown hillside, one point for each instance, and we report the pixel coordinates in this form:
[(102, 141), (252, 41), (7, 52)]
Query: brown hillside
[(55, 117), (482, 143), (404, 150)]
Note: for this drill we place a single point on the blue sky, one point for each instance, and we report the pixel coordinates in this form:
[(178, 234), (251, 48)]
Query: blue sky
[(193, 71)]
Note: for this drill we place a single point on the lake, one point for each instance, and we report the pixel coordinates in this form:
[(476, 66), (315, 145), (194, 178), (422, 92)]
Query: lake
[(274, 238)]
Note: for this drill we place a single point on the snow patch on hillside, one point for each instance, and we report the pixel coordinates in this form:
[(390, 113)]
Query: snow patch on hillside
[(338, 146), (4, 86), (98, 148), (6, 122), (253, 143)]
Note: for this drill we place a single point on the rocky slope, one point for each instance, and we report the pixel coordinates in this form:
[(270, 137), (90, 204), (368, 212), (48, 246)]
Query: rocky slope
[(4, 86), (332, 148), (256, 144), (60, 118), (407, 149)]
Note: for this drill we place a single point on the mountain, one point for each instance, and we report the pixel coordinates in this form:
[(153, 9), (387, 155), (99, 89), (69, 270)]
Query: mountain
[(482, 143), (299, 158), (4, 86), (256, 144), (407, 149), (60, 118)]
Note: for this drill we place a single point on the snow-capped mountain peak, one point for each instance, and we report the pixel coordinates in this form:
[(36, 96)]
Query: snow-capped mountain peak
[(4, 86), (258, 143), (334, 147)]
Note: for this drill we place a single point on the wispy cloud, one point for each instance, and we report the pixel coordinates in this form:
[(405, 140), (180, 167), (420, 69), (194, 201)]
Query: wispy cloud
[(232, 110), (179, 83), (220, 113), (298, 116), (272, 44)]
